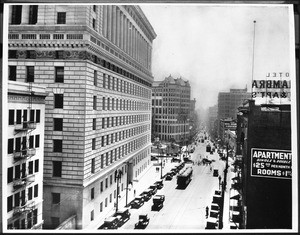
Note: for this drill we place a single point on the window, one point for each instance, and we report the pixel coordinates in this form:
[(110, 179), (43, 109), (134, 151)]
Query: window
[(94, 123), (59, 54), (92, 215), (36, 190), (33, 13), (95, 78), (31, 141), (57, 168), (29, 220), (103, 103), (57, 146), (12, 73), (12, 54), (30, 73), (57, 124), (92, 193), (35, 215), (61, 17), (30, 193), (102, 160), (93, 143), (30, 54), (19, 116), (36, 165), (94, 8), (94, 23), (104, 80), (9, 203), (93, 166), (59, 74), (101, 186), (106, 182), (10, 175), (18, 144), (95, 102), (16, 14), (32, 112), (38, 116), (30, 168), (101, 206), (11, 117), (58, 101), (55, 198), (37, 141), (10, 148)]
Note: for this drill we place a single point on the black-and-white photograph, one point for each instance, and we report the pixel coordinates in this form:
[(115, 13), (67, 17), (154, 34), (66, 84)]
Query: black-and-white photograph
[(150, 117)]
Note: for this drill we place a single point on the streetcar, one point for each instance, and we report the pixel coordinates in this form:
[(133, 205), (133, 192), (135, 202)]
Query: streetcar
[(184, 177)]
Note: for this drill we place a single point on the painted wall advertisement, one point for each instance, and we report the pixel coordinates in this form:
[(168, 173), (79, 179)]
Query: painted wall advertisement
[(271, 163)]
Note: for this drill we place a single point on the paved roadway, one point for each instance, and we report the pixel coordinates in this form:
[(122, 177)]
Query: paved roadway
[(183, 209)]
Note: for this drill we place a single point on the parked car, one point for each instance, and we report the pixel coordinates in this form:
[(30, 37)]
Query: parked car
[(146, 195), (143, 222), (175, 159), (111, 222), (159, 184), (124, 216), (169, 176), (153, 189), (137, 203)]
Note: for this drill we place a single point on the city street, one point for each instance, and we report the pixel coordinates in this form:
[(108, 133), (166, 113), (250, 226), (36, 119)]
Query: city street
[(183, 208)]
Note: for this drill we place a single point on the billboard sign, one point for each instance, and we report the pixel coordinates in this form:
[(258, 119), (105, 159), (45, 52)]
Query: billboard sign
[(271, 163)]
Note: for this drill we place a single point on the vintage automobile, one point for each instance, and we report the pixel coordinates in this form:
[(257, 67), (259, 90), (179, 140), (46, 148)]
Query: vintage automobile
[(146, 195), (159, 184), (158, 202), (111, 222), (153, 189), (169, 176), (143, 222), (212, 223), (137, 202), (124, 216), (175, 159)]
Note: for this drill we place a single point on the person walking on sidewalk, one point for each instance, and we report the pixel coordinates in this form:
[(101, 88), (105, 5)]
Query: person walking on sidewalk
[(207, 210)]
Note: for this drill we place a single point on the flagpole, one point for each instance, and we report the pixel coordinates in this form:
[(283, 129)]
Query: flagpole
[(253, 57)]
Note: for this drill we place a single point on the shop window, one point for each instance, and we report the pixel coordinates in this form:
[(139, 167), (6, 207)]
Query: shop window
[(61, 17)]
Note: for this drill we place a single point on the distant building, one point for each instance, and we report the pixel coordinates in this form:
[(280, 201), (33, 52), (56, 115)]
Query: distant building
[(228, 102), (171, 109), (263, 184), (226, 124), (95, 61), (25, 155), (212, 121)]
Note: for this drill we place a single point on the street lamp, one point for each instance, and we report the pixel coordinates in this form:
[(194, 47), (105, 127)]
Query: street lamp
[(118, 175)]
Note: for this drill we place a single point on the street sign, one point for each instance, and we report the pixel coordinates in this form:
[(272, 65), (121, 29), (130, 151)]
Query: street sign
[(271, 163)]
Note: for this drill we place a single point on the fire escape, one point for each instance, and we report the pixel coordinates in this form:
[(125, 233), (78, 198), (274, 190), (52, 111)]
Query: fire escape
[(21, 156)]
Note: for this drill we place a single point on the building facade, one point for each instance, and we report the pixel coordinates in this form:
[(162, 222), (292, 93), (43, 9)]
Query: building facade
[(171, 109), (212, 121), (264, 160), (228, 102), (95, 61), (25, 155)]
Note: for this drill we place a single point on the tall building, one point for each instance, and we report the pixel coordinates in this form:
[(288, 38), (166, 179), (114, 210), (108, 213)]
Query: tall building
[(25, 155), (228, 102), (95, 61), (171, 109), (212, 121), (263, 182)]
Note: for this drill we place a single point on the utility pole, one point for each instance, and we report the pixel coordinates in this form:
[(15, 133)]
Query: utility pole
[(118, 176)]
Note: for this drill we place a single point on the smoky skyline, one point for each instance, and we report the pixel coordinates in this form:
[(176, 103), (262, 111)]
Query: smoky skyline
[(211, 45)]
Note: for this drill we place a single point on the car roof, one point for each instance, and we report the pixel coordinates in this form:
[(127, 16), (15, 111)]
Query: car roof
[(122, 210), (110, 219)]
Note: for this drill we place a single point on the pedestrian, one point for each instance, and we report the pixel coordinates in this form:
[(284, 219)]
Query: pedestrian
[(207, 210)]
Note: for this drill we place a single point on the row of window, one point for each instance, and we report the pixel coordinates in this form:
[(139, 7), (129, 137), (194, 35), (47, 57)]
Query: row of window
[(17, 144), (18, 116), (120, 104), (25, 223), (20, 199), (118, 136), (19, 171)]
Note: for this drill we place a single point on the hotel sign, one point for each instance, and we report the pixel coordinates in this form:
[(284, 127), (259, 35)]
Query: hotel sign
[(274, 89), (271, 163)]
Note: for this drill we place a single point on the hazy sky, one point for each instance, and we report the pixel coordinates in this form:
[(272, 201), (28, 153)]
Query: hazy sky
[(211, 45)]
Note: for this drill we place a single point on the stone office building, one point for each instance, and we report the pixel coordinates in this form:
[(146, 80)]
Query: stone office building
[(171, 109), (95, 61)]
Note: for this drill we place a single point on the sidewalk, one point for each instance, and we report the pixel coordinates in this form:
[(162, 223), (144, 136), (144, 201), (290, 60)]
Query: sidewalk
[(142, 182)]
